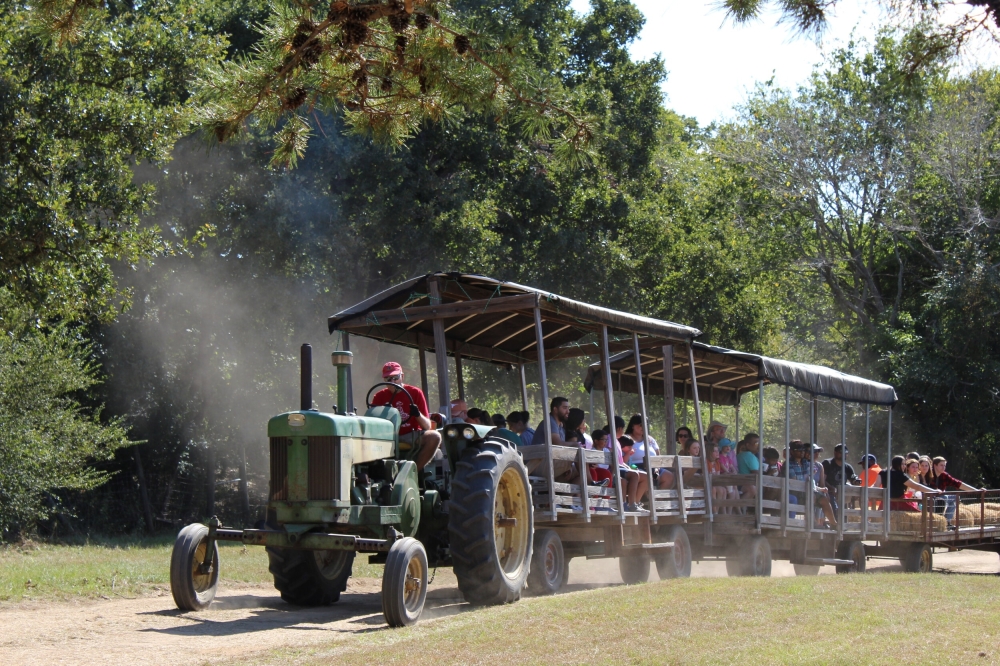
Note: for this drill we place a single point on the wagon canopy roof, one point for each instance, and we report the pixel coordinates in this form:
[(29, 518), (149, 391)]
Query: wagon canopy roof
[(492, 320), (725, 374)]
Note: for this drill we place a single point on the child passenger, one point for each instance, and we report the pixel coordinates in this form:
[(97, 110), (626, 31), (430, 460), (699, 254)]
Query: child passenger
[(713, 462), (600, 474), (727, 462)]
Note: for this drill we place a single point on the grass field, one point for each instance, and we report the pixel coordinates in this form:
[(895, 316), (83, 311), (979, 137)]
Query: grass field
[(866, 619), (118, 567)]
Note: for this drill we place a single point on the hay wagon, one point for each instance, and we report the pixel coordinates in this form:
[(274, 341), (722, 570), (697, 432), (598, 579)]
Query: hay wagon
[(771, 525)]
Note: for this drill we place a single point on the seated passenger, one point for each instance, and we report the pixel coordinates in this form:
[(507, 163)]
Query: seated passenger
[(563, 470), (600, 474), (576, 428), (683, 437), (499, 421), (459, 411), (692, 475), (663, 477), (635, 483), (771, 468), (714, 467), (898, 483), (518, 424), (415, 428), (727, 461), (477, 416), (748, 463), (944, 481)]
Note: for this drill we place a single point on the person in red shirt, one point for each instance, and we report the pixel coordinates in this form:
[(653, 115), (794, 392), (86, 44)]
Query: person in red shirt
[(416, 428)]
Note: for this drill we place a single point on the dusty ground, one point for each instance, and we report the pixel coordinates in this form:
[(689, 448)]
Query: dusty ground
[(247, 620)]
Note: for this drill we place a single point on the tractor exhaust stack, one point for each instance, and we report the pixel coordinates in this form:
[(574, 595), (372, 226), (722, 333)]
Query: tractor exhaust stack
[(306, 381)]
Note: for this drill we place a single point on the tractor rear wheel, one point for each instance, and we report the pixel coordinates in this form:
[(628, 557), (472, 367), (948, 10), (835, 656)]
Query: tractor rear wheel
[(548, 563), (310, 577), (404, 582), (490, 523), (192, 589)]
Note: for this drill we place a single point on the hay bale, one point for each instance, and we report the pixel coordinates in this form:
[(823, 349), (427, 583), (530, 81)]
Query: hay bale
[(972, 515), (967, 516), (911, 521)]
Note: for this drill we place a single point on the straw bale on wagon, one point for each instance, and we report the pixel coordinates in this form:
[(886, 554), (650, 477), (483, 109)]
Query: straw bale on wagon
[(910, 521), (969, 514)]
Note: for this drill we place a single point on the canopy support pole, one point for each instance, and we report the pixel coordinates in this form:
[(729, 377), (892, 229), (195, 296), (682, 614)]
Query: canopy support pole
[(609, 398), (461, 378), (864, 490), (886, 505), (810, 482), (711, 403), (701, 438), (440, 354), (645, 429), (524, 387), (784, 483), (547, 419), (842, 499), (668, 398), (423, 372), (736, 426), (760, 456), (591, 414)]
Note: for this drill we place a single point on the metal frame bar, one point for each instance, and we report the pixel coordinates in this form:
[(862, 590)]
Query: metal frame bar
[(842, 498), (788, 459), (701, 436), (524, 389), (645, 432), (887, 505), (864, 491), (668, 399), (810, 493), (459, 376), (423, 371), (760, 456), (609, 399), (546, 422), (440, 354)]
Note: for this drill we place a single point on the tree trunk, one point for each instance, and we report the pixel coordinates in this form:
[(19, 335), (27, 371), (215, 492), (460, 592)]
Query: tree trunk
[(147, 509)]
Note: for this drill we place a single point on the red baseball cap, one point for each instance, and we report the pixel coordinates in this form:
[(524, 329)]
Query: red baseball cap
[(391, 368)]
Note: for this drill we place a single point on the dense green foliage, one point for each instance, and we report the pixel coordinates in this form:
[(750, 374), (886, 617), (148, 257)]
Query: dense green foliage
[(852, 222)]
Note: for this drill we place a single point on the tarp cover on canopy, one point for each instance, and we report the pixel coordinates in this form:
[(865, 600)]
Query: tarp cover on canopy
[(492, 333), (723, 374)]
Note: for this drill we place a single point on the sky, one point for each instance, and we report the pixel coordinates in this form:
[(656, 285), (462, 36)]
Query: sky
[(712, 63)]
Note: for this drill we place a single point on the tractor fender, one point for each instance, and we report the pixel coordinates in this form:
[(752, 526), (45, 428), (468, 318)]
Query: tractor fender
[(406, 495)]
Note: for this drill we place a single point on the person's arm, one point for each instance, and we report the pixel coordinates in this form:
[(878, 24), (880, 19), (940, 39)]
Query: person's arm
[(913, 485), (423, 422)]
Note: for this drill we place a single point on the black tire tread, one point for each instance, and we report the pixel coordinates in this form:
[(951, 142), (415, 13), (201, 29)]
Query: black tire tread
[(474, 555), (181, 585), (299, 581)]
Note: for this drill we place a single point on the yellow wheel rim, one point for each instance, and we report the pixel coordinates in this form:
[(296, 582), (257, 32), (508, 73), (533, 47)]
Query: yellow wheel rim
[(416, 574), (511, 536), (201, 581)]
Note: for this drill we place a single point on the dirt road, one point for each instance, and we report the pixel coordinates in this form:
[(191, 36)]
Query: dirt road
[(250, 620)]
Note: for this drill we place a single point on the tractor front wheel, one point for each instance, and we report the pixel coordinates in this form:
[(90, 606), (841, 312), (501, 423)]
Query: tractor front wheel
[(404, 582), (192, 586), (310, 577), (490, 523)]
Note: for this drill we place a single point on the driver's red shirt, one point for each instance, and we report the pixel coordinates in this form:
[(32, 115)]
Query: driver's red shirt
[(402, 403)]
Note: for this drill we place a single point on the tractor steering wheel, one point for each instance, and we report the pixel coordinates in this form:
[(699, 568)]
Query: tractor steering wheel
[(396, 389)]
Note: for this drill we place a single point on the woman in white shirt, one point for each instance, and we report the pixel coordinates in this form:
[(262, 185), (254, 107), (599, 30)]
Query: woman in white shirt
[(635, 430)]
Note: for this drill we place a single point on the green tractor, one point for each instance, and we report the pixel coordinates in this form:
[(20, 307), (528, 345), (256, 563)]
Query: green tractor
[(342, 484)]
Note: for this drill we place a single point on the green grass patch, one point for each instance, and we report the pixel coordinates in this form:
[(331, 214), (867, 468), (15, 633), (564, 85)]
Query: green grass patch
[(876, 618), (119, 567)]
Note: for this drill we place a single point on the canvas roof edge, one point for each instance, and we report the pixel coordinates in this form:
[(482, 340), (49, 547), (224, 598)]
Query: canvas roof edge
[(813, 379), (555, 305)]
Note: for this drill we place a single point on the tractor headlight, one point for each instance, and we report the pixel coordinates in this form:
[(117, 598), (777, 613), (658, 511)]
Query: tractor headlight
[(469, 433), (451, 432), (296, 420)]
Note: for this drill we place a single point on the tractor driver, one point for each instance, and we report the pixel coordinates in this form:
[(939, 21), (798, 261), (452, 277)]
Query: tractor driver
[(416, 426)]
